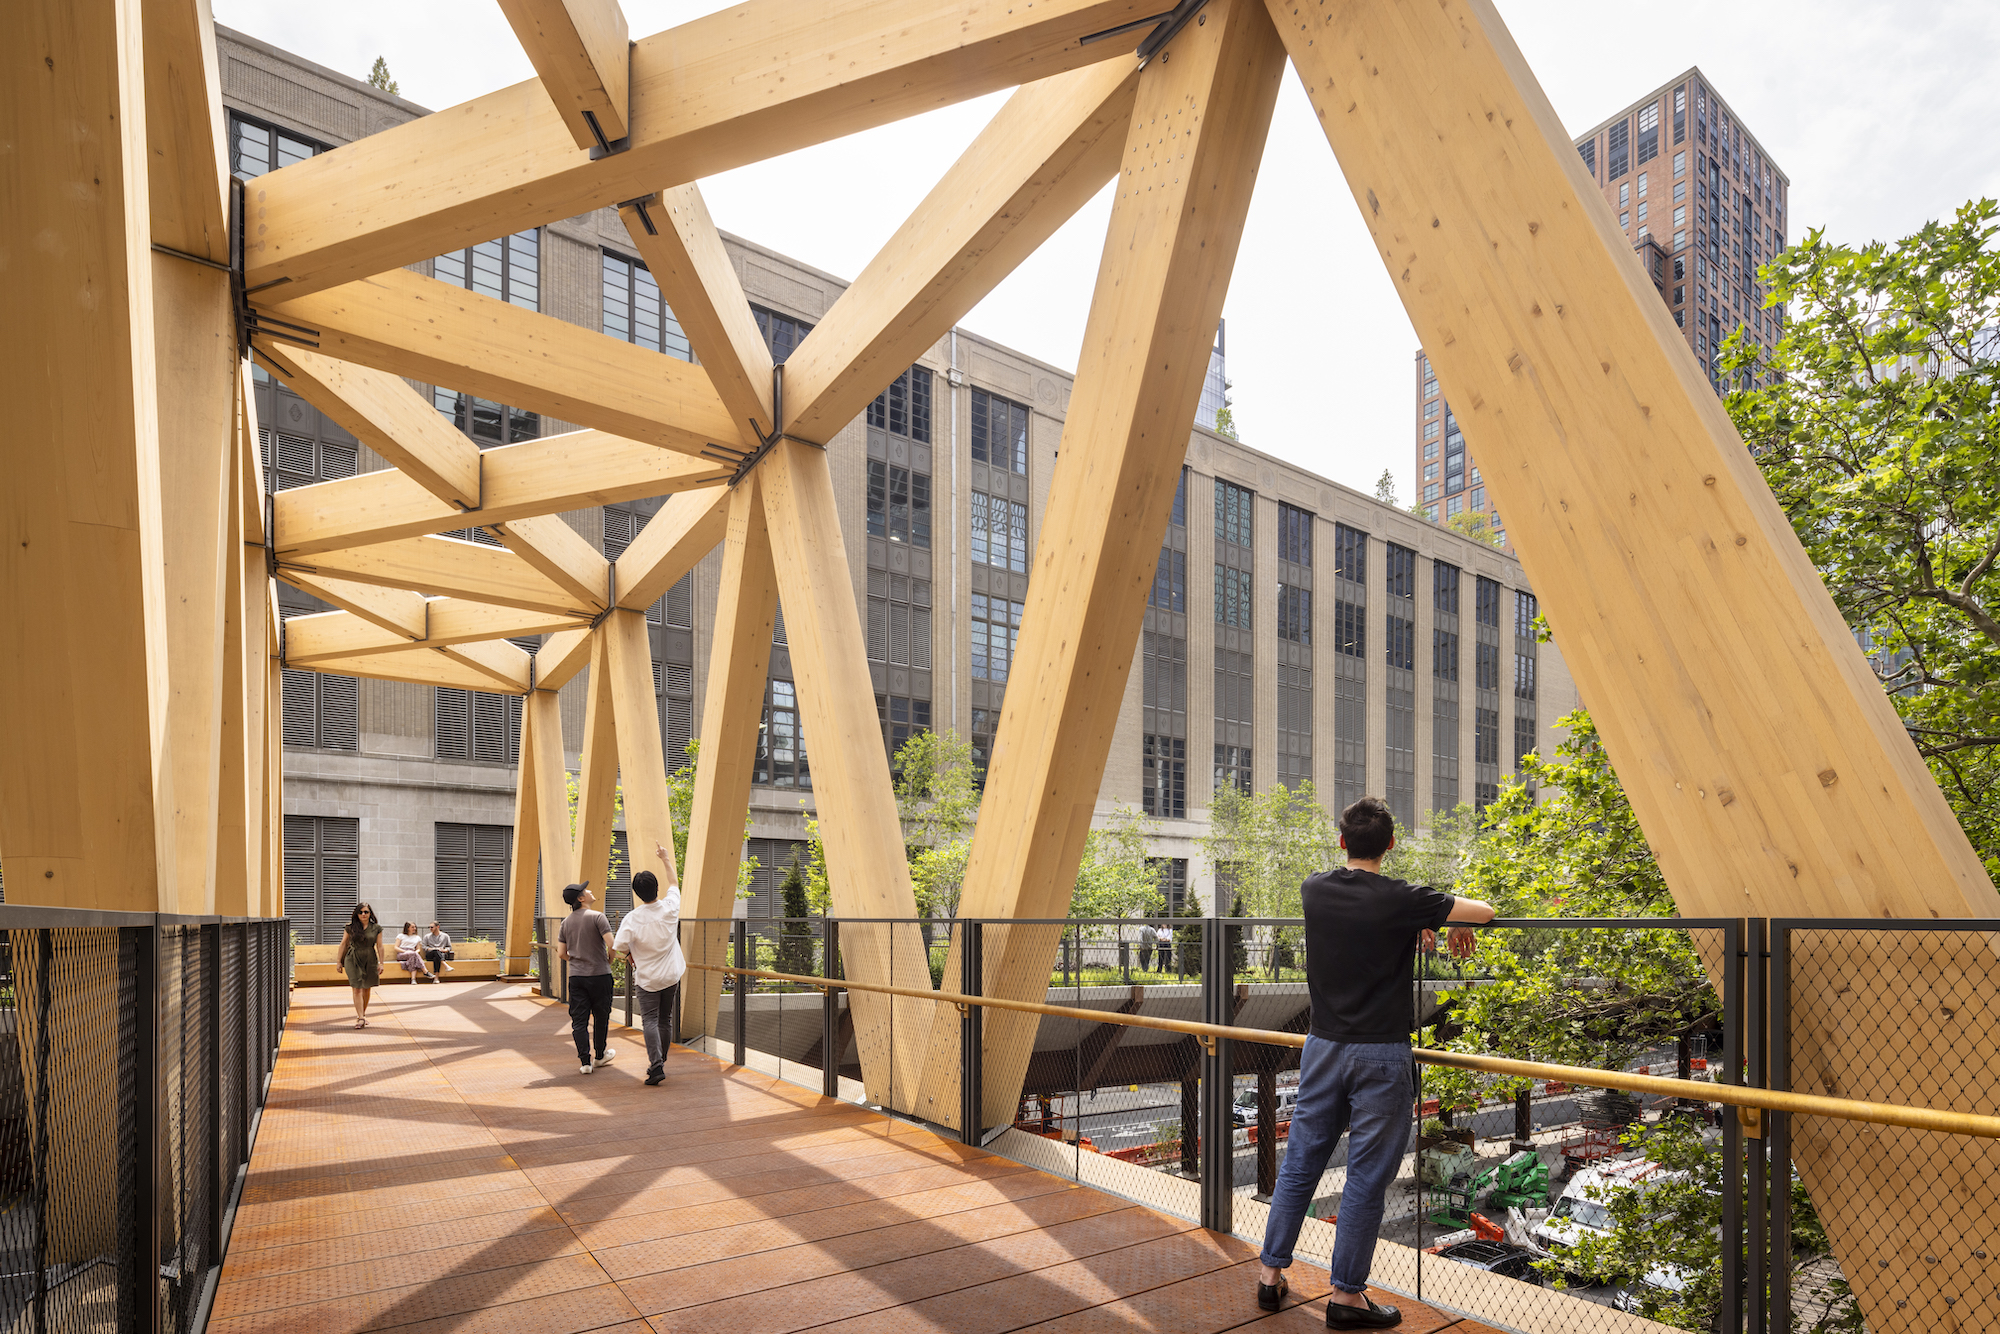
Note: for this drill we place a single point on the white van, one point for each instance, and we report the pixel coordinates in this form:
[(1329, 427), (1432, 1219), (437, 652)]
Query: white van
[(1245, 1109), (1585, 1206)]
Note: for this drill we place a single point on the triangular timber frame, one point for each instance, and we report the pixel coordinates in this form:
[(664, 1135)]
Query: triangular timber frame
[(139, 693)]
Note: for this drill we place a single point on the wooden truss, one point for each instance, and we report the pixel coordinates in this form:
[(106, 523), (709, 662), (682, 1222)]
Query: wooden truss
[(138, 689)]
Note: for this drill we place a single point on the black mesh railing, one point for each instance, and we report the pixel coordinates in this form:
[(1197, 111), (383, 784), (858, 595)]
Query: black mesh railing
[(134, 1057)]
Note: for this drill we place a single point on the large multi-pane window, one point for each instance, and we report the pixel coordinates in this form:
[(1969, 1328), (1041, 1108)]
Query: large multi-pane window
[(1295, 535), (322, 870), (1235, 649), (471, 879), (635, 311), (899, 503), (899, 619), (256, 147), (904, 408), (781, 749), (996, 629), (1294, 648), (1444, 686), (1350, 665), (1233, 594), (1235, 513), (999, 532), (1400, 729), (1525, 656), (507, 269), (782, 333), (999, 432), (901, 718), (985, 723), (1164, 660), (1486, 693), (1295, 614)]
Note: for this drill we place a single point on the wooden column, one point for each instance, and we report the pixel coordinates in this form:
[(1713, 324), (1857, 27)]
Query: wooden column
[(739, 663), (597, 780), (1191, 158), (517, 947), (642, 770), (239, 799), (856, 804), (1767, 767), (86, 786)]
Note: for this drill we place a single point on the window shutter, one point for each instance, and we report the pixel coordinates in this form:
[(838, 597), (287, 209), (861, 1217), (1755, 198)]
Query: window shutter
[(618, 889), (899, 634), (452, 884), (878, 629), (337, 460), (296, 464), (339, 873), (680, 729), (489, 890), (489, 727), (301, 877), (920, 638), (454, 723), (339, 712), (680, 602), (778, 626), (300, 706)]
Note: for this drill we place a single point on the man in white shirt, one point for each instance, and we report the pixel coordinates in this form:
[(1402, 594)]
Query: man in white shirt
[(650, 939)]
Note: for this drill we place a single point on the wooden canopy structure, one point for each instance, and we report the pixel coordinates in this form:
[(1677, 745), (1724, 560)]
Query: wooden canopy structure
[(140, 762)]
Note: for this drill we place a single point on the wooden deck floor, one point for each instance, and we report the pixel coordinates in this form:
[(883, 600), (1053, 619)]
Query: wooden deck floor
[(447, 1169)]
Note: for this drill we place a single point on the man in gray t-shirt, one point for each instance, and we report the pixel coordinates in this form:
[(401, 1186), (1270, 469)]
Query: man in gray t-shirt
[(584, 943)]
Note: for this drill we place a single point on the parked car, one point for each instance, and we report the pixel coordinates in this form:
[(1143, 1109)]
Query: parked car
[(1498, 1257), (1244, 1111), (1585, 1205), (1661, 1280)]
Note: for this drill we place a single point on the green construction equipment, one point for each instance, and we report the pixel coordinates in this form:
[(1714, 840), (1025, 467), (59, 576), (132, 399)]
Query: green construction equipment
[(1444, 1172), (1519, 1182)]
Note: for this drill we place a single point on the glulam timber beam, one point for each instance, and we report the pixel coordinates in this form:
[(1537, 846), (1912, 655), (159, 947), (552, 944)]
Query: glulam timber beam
[(575, 470), (717, 92), (672, 543), (524, 859), (239, 806), (86, 794), (433, 667), (448, 622), (642, 770), (561, 657), (682, 249), (1191, 156), (580, 51), (397, 611), (597, 775), (1765, 763), (187, 166), (739, 662), (852, 791), (432, 331), (389, 417), (446, 567), (552, 812), (504, 664), (562, 556), (1043, 156)]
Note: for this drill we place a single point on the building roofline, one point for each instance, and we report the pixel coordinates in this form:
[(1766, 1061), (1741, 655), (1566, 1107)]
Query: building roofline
[(1688, 75), (361, 86)]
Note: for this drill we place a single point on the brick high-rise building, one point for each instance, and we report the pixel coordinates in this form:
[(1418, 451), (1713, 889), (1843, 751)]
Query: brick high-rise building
[(1721, 205)]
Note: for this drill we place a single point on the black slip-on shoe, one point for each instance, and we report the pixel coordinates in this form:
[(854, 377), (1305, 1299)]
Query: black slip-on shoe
[(1371, 1316), (655, 1076), (1271, 1296)]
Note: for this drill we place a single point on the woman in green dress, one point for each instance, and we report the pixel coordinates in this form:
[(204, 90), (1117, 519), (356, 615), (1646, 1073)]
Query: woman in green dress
[(361, 957)]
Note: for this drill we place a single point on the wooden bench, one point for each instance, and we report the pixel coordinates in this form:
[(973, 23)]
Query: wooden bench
[(477, 961)]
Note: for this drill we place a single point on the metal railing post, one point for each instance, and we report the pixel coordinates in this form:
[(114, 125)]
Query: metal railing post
[(971, 1052), (739, 930), (140, 1284), (1218, 1132), (1756, 1027), (44, 966), (1729, 1070), (1778, 1126), (830, 1046), (211, 974)]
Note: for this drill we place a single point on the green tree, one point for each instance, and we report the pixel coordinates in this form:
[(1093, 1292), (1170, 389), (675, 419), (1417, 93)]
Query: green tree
[(680, 805), (1477, 525), (1385, 487), (379, 76), (1877, 425), (1115, 877), (795, 940), (938, 800), (1225, 422)]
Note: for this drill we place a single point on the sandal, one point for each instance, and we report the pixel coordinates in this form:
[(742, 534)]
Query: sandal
[(1271, 1296)]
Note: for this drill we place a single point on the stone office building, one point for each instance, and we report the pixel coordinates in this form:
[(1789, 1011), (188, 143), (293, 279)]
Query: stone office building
[(1297, 629)]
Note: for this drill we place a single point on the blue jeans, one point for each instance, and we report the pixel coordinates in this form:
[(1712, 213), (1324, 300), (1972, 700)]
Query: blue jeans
[(1364, 1087)]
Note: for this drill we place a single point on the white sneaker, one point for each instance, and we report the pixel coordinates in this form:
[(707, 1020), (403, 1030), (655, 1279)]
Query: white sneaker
[(583, 1069), (604, 1057)]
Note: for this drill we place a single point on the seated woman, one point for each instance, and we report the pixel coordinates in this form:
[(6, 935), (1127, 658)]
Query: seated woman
[(408, 952)]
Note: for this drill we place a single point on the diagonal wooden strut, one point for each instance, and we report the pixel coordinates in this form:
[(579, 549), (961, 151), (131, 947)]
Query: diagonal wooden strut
[(723, 90), (859, 822), (389, 417), (1051, 147), (1197, 135)]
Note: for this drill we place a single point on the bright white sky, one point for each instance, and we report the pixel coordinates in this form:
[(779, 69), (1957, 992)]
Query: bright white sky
[(1882, 115)]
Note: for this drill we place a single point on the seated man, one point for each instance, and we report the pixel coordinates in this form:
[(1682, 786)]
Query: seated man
[(437, 951)]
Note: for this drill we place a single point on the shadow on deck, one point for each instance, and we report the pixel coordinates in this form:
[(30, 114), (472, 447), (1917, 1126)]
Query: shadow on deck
[(447, 1169)]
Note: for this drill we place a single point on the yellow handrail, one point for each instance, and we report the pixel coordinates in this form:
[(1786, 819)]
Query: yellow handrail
[(1735, 1095)]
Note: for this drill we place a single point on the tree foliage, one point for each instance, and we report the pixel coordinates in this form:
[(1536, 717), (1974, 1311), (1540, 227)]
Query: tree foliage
[(379, 76), (1115, 877), (1385, 487), (1477, 525), (1879, 432), (680, 805)]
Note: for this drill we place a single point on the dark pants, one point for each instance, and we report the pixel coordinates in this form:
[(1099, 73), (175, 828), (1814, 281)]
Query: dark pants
[(656, 1014), (1145, 958), (437, 959), (589, 999)]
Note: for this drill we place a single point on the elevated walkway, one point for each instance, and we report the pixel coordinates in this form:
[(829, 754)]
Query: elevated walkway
[(448, 1169)]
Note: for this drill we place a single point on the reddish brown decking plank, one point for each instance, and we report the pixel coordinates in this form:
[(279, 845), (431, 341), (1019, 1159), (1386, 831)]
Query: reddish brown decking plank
[(1220, 1299), (374, 1247)]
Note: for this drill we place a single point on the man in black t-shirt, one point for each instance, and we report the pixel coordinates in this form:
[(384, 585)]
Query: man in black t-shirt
[(1362, 930)]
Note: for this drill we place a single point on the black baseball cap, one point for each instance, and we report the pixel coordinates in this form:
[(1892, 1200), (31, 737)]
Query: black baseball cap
[(571, 893)]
